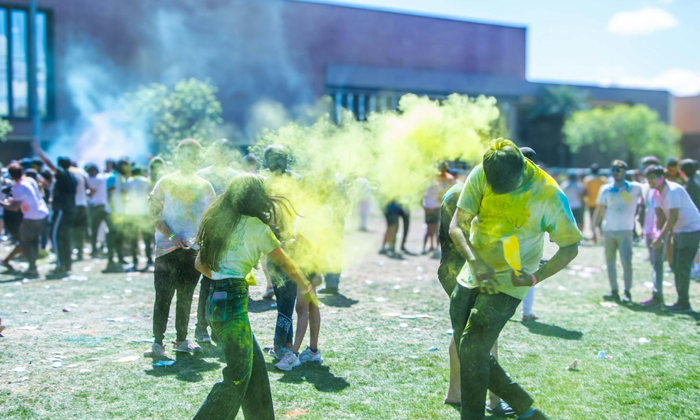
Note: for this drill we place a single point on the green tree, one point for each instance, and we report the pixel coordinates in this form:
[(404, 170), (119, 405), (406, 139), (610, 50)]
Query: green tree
[(630, 131), (558, 101), (5, 129), (188, 110)]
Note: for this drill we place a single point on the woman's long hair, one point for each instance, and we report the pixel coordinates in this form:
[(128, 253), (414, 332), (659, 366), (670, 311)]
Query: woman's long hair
[(246, 195)]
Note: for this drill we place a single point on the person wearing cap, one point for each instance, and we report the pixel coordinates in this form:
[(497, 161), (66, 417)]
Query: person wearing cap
[(678, 217), (26, 198), (617, 208), (63, 205), (505, 196), (176, 206), (591, 186)]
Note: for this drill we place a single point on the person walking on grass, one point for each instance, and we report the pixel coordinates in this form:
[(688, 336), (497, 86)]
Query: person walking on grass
[(504, 196), (617, 208), (27, 199), (232, 235), (176, 206), (678, 217)]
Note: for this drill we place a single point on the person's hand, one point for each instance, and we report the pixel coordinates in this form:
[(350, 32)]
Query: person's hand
[(488, 286), (658, 243), (179, 241), (522, 280), (485, 277), (310, 295)]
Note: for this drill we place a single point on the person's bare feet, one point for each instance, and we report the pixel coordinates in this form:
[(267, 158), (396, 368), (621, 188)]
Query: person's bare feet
[(453, 397)]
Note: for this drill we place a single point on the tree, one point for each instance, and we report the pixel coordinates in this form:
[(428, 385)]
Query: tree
[(629, 131), (5, 129), (188, 110), (558, 101)]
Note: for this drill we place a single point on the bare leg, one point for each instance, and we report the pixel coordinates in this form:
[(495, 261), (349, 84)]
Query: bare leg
[(302, 309), (314, 325), (454, 392), (390, 237), (494, 400), (11, 256)]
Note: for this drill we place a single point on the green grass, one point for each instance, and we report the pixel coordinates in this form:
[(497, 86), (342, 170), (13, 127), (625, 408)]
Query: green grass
[(374, 368)]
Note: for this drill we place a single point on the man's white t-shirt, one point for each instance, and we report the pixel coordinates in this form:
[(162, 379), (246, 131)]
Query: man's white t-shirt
[(218, 177), (651, 196), (137, 189), (620, 205), (33, 205), (674, 196), (98, 186), (184, 199), (81, 198)]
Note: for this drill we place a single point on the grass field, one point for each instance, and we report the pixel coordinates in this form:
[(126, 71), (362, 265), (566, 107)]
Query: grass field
[(376, 366)]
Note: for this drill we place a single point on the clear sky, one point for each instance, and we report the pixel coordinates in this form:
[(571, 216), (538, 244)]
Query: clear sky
[(635, 43)]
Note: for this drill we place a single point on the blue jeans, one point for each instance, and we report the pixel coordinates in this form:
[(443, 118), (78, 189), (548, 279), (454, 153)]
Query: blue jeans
[(656, 258), (245, 384)]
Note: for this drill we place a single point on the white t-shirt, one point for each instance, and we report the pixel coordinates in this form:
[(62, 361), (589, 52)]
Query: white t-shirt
[(184, 198), (33, 205), (98, 186), (218, 177), (651, 196), (137, 189), (81, 198), (674, 196), (249, 241), (620, 205), (573, 191)]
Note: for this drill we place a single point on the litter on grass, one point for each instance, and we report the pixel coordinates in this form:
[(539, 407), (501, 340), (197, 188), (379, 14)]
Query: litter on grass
[(164, 363), (573, 365), (127, 359), (609, 304), (403, 325), (56, 365), (644, 340), (435, 348), (28, 328), (19, 369), (450, 332)]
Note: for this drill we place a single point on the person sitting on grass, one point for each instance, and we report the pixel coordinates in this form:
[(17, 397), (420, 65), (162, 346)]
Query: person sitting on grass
[(504, 196), (233, 233)]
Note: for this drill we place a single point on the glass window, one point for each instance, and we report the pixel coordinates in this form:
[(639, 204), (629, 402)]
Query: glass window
[(41, 65), (4, 87), (18, 25)]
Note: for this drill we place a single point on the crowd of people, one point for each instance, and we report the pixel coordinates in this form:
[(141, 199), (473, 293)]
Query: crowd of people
[(205, 220)]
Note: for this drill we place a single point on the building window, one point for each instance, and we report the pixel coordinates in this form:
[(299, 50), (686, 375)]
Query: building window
[(14, 62)]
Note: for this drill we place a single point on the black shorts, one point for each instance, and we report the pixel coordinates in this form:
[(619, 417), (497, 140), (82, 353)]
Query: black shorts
[(432, 216), (578, 215), (392, 212)]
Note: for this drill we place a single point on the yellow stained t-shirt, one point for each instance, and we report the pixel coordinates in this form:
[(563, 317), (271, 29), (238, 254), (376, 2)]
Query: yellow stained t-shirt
[(248, 242), (537, 206)]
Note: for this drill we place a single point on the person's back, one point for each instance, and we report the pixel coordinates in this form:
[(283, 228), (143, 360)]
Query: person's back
[(64, 190), (137, 189), (592, 184), (218, 176)]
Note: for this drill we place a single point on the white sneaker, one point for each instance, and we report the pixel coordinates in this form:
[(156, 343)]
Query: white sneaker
[(269, 294), (307, 356), (279, 354), (288, 362), (156, 351), (186, 347)]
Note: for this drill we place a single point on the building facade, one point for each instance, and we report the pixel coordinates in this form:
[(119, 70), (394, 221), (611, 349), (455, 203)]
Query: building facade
[(289, 52)]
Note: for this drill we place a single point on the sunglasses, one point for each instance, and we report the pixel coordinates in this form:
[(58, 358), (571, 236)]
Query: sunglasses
[(618, 169)]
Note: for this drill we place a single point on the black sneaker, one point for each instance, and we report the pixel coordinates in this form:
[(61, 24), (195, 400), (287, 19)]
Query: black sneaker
[(538, 416), (113, 268), (614, 296), (627, 298), (680, 308), (57, 274), (328, 291), (501, 410)]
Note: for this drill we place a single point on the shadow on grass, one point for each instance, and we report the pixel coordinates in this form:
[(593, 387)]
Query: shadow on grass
[(659, 310), (549, 330), (319, 375), (337, 301), (262, 305), (187, 368)]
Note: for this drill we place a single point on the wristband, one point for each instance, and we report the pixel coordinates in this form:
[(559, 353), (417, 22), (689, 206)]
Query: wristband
[(172, 235), (534, 280)]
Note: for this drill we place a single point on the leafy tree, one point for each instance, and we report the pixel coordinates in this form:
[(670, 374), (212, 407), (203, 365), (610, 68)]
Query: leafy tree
[(631, 131), (188, 110), (5, 129), (558, 101)]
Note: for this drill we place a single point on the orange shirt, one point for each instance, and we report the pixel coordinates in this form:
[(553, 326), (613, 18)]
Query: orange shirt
[(592, 185)]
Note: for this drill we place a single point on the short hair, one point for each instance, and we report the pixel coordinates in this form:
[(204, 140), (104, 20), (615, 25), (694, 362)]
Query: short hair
[(573, 176), (689, 167), (32, 173), (47, 175), (594, 169), (618, 162), (671, 162), (528, 152), (136, 171), (656, 170), (90, 166), (503, 164), (250, 160), (275, 148), (650, 160), (64, 162), (189, 143), (15, 170)]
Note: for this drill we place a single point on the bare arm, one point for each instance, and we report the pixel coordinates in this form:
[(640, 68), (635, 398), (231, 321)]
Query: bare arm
[(667, 227), (12, 205), (598, 215), (201, 267), (557, 263), (42, 155), (282, 260), (459, 233)]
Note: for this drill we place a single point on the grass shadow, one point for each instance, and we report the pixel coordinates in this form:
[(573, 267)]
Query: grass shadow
[(187, 368), (337, 301), (262, 305), (319, 375), (658, 310), (549, 330)]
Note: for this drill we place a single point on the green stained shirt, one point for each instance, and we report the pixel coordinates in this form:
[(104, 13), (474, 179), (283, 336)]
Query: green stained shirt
[(537, 206)]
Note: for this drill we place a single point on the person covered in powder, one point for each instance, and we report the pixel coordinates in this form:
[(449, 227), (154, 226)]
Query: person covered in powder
[(529, 299), (138, 223), (63, 205), (219, 176), (233, 233), (279, 179), (650, 228), (451, 263), (504, 196), (27, 199), (176, 206), (617, 208)]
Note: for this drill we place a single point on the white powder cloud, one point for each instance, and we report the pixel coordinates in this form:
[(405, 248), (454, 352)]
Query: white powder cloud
[(680, 82), (641, 22)]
